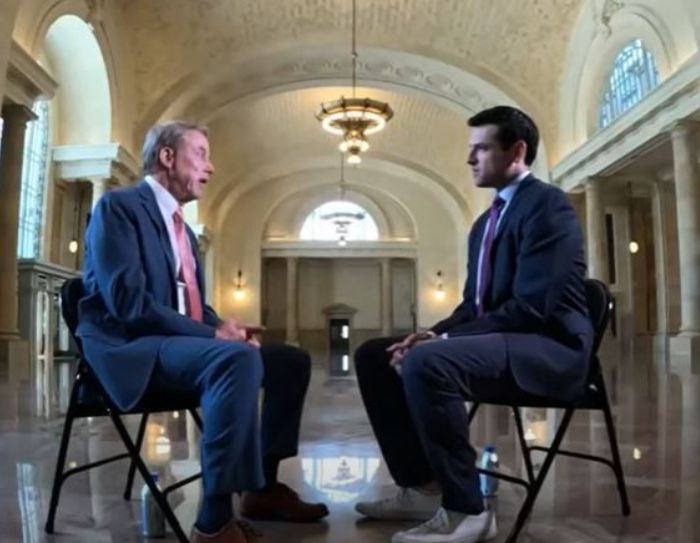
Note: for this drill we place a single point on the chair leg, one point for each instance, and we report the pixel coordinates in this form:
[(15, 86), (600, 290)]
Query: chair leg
[(523, 445), (619, 475), (196, 417), (527, 506), (472, 412), (132, 464), (143, 470), (60, 465)]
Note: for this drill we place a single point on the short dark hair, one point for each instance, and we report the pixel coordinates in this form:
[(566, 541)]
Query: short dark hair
[(162, 135), (513, 126)]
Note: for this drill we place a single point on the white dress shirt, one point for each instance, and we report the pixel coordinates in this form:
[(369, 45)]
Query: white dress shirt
[(168, 205), (506, 194)]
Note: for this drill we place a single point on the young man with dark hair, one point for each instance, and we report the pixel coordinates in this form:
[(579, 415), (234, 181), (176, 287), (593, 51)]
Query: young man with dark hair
[(522, 323)]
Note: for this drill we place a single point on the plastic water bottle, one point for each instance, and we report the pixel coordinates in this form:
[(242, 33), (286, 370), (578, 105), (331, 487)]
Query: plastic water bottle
[(489, 460), (152, 520)]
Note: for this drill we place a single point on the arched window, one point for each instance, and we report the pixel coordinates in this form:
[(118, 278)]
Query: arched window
[(633, 76), (339, 220), (31, 204)]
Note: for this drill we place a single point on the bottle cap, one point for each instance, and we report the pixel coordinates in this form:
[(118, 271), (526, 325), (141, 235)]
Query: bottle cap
[(490, 448), (154, 476)]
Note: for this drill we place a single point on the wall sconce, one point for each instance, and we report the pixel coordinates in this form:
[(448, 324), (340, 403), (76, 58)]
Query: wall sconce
[(238, 292), (73, 243), (633, 245), (439, 288)]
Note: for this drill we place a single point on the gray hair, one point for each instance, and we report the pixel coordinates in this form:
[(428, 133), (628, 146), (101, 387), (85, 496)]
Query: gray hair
[(162, 135)]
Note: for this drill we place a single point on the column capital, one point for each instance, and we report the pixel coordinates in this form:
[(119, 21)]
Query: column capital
[(683, 128), (17, 113)]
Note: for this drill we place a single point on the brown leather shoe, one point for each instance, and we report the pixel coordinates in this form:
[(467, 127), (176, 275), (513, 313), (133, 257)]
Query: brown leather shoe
[(280, 503), (235, 531)]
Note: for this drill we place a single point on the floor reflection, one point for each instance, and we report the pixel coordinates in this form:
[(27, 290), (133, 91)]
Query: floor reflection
[(657, 413), (339, 480)]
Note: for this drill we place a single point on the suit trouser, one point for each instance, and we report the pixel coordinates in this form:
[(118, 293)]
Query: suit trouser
[(420, 419), (228, 375)]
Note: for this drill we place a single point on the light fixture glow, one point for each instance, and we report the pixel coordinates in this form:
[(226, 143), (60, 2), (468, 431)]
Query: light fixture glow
[(238, 291), (439, 288), (634, 247), (73, 246), (530, 435)]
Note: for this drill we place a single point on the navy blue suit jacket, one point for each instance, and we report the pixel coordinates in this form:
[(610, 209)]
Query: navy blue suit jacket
[(537, 296), (130, 305)]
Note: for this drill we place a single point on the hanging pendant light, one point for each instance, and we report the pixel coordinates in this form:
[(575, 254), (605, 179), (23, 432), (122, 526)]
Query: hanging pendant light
[(354, 118)]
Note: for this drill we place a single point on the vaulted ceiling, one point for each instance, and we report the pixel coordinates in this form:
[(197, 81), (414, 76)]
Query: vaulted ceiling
[(255, 70)]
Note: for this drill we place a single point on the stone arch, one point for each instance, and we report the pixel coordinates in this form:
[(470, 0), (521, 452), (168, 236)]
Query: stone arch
[(593, 50), (85, 110)]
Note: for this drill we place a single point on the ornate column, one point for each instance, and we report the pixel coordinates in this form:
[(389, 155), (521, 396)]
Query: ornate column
[(387, 308), (15, 119), (596, 238), (100, 185), (658, 208), (292, 299), (687, 177)]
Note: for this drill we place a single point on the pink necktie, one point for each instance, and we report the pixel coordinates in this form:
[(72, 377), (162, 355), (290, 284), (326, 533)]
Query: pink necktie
[(485, 271), (187, 269)]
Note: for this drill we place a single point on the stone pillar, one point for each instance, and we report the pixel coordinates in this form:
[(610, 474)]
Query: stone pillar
[(100, 185), (387, 302), (292, 300), (596, 237), (687, 177), (658, 209), (15, 119)]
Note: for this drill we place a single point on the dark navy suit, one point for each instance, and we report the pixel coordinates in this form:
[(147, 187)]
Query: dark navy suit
[(534, 334), (135, 339)]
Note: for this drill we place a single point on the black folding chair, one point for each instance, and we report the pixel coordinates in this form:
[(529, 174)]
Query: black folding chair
[(595, 397), (89, 399)]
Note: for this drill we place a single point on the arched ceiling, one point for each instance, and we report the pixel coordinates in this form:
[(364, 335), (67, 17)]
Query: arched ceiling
[(517, 46), (277, 136)]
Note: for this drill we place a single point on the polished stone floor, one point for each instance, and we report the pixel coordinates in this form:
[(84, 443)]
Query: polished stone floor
[(657, 411)]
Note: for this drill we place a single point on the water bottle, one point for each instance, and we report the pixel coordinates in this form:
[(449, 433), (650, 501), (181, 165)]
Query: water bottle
[(152, 521), (489, 461)]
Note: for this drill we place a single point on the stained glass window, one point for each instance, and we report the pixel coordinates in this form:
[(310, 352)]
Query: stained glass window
[(633, 76)]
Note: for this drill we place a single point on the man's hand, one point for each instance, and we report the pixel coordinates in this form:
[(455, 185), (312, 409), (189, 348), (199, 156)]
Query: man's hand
[(233, 330), (398, 350)]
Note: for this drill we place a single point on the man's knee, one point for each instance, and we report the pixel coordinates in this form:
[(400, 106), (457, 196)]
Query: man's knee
[(242, 361), (421, 365), (371, 352), (295, 364)]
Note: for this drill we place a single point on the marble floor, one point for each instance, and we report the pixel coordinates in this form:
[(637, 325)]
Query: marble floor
[(657, 412)]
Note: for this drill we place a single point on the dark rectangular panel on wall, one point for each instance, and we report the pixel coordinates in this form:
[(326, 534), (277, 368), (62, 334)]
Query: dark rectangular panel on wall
[(610, 235)]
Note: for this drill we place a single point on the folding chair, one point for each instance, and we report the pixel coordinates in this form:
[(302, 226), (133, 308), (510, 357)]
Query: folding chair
[(89, 399), (595, 397)]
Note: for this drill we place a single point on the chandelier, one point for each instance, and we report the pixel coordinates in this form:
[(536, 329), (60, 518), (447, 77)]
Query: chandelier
[(354, 118), (342, 220)]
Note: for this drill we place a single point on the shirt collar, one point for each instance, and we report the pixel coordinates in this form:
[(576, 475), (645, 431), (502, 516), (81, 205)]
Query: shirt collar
[(507, 193), (165, 200)]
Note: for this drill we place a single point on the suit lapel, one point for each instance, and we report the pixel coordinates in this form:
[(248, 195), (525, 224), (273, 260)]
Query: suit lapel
[(148, 200), (512, 207)]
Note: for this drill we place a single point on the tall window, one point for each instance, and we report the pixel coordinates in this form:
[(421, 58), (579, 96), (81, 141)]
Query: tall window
[(339, 220), (633, 76), (31, 203)]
